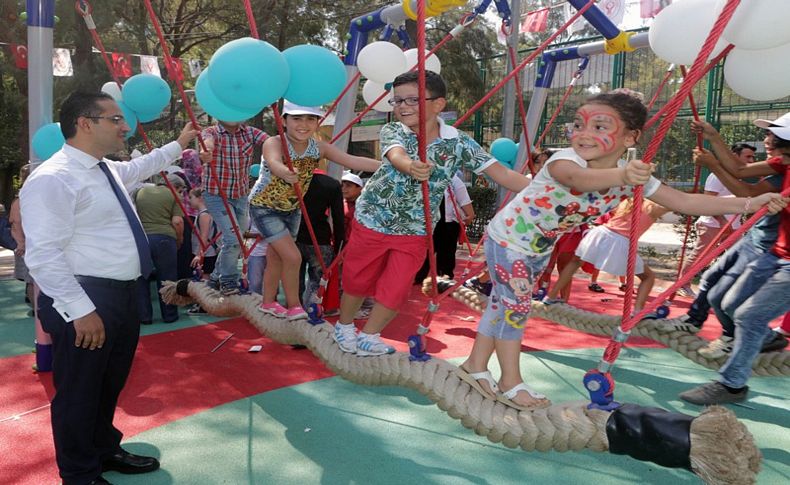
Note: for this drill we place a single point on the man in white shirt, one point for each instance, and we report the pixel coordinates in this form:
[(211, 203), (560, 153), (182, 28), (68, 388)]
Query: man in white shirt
[(82, 248), (709, 226)]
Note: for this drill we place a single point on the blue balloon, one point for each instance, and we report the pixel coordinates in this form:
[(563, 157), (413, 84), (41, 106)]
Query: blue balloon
[(317, 75), (504, 150), (131, 118), (214, 106), (255, 170), (48, 140), (147, 117), (248, 74), (146, 93)]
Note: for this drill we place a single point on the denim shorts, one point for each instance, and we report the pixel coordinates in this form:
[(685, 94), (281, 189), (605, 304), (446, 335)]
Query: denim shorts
[(274, 224)]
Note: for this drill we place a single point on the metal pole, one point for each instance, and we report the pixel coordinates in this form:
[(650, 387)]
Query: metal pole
[(509, 102), (343, 115)]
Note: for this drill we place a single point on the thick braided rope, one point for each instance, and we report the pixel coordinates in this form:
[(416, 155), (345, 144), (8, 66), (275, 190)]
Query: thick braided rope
[(568, 426), (686, 344)]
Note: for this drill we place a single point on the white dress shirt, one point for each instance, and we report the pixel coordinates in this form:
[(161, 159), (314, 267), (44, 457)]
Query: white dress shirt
[(74, 224), (461, 199)]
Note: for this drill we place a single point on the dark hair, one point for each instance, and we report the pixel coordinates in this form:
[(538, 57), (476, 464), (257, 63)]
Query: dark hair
[(434, 83), (739, 147), (780, 142), (630, 108), (79, 104)]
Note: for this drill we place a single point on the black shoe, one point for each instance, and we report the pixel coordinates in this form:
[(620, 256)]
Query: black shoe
[(99, 481), (146, 322), (595, 287), (775, 342), (125, 462)]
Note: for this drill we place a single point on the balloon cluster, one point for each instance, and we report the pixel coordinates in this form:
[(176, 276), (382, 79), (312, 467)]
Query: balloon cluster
[(380, 62), (758, 30), (246, 75), (505, 151), (142, 98)]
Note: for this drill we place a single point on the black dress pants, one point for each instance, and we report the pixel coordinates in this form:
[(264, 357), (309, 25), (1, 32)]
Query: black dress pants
[(88, 382)]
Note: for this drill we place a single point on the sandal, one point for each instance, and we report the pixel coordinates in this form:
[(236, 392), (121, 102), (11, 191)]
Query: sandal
[(471, 378), (595, 287), (540, 399)]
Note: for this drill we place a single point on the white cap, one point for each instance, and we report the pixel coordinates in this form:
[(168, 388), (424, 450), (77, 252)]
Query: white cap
[(290, 108), (135, 153), (779, 127), (353, 178), (173, 169)]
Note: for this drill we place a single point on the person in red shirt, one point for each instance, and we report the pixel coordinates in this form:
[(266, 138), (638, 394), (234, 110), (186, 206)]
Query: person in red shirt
[(231, 145), (761, 293)]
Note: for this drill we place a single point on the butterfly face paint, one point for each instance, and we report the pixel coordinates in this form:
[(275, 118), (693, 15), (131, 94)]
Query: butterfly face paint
[(596, 131)]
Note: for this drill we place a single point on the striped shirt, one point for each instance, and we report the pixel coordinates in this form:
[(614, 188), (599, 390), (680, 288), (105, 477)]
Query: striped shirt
[(232, 159)]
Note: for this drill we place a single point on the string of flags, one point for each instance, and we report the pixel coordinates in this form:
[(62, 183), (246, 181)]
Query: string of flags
[(122, 63)]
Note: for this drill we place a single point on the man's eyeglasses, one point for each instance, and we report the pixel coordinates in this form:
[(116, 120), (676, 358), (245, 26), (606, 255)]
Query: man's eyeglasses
[(410, 101), (116, 119)]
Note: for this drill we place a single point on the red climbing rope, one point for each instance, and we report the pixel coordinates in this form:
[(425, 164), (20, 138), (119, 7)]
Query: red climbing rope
[(521, 111), (171, 66), (698, 70), (85, 10), (576, 76), (661, 85)]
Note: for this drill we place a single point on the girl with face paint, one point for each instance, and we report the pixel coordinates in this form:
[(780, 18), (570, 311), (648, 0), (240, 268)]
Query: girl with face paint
[(575, 186)]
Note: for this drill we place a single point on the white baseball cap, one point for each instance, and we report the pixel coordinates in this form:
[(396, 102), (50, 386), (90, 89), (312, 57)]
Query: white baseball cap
[(353, 178), (779, 127), (290, 108)]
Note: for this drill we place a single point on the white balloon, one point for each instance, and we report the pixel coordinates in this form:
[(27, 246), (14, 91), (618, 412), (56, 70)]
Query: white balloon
[(773, 80), (371, 90), (381, 62), (759, 24), (113, 90), (678, 31), (432, 63)]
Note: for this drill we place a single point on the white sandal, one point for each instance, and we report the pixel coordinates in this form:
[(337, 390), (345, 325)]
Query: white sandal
[(506, 396), (471, 378)]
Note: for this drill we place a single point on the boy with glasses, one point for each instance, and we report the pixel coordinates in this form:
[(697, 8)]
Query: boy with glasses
[(388, 243)]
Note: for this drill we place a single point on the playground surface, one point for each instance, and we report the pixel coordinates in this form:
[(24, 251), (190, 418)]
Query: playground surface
[(279, 416)]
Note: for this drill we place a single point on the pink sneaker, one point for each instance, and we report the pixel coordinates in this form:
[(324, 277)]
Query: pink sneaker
[(295, 313), (274, 309)]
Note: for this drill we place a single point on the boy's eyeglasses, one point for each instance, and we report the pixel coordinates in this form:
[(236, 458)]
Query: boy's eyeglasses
[(116, 119), (410, 101)]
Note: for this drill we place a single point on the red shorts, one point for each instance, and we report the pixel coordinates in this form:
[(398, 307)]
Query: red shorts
[(382, 265)]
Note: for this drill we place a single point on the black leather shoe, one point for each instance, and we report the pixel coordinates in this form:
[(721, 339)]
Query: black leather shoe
[(100, 481), (125, 462)]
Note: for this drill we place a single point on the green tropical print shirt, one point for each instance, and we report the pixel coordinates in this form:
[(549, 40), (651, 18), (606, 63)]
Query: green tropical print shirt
[(391, 202)]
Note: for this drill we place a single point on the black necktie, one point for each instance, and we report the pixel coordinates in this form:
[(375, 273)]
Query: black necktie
[(140, 240)]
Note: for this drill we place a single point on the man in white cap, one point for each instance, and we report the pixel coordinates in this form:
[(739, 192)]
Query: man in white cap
[(759, 294)]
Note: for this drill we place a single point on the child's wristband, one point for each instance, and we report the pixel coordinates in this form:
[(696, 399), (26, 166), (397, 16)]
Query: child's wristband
[(747, 205)]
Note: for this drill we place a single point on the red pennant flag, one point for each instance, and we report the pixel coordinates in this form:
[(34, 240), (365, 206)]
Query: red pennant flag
[(535, 21), (650, 8), (175, 71), (19, 53), (122, 64)]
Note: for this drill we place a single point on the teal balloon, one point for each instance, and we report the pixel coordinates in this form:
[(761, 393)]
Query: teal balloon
[(146, 117), (48, 140), (308, 64), (130, 116), (146, 93), (504, 150), (255, 170), (212, 105), (249, 74)]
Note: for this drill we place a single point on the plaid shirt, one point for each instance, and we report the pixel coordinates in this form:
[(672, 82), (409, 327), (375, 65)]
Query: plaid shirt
[(232, 159)]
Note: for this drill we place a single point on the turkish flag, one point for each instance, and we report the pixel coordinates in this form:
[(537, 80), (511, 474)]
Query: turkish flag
[(19, 53), (175, 71), (535, 21), (122, 64)]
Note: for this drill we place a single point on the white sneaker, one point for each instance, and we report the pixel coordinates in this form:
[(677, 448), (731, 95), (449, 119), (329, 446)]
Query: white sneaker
[(717, 348), (371, 344), (346, 337), (687, 292)]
